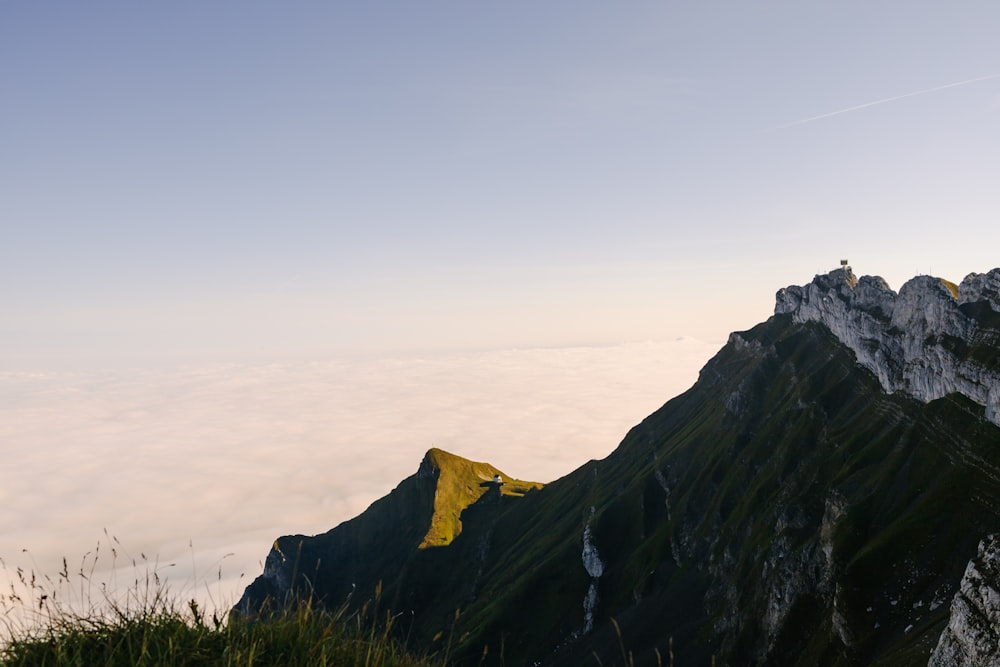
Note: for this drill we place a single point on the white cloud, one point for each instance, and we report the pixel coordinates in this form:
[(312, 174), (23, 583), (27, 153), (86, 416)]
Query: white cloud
[(189, 466)]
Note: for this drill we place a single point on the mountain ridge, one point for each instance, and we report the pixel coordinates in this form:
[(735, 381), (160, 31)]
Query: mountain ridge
[(786, 509), (931, 339), (422, 514)]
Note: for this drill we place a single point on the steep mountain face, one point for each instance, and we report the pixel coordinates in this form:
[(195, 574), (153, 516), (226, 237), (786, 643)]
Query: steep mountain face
[(391, 545), (825, 493)]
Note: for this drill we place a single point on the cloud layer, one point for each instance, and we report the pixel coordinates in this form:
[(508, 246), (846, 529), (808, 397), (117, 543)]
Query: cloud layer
[(200, 469)]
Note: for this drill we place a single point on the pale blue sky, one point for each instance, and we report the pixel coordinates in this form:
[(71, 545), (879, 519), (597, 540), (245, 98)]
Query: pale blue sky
[(192, 181)]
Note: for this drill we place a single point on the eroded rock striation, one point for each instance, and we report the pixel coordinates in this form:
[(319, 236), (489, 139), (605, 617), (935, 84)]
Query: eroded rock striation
[(932, 339)]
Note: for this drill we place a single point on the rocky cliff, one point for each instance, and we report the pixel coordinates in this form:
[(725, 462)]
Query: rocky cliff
[(972, 637), (814, 498), (932, 339)]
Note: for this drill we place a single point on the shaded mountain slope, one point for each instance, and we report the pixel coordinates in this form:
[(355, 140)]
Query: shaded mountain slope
[(812, 517), (785, 510), (392, 545)]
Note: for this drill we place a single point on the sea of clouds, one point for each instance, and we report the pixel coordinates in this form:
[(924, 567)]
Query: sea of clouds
[(194, 472)]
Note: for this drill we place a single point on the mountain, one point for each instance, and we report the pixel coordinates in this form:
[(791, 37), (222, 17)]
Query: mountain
[(396, 545), (828, 492)]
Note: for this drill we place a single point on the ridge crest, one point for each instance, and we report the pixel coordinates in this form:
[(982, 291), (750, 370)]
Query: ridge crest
[(931, 339)]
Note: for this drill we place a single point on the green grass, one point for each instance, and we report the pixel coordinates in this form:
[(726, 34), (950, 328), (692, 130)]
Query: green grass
[(47, 621), (164, 635), (462, 483)]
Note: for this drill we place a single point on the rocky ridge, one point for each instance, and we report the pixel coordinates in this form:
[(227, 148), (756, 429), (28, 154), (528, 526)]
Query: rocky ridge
[(932, 339)]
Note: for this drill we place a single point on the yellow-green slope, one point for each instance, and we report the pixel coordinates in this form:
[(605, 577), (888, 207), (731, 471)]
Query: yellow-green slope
[(460, 483)]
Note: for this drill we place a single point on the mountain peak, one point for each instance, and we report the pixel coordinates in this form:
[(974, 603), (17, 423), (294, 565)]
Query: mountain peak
[(932, 339), (460, 483), (395, 537), (436, 460)]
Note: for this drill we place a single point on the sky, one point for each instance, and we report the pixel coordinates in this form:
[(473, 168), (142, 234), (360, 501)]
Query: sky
[(194, 195), (199, 181)]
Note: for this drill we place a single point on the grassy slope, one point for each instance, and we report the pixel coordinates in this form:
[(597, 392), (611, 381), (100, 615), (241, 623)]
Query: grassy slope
[(401, 546), (461, 483), (749, 491)]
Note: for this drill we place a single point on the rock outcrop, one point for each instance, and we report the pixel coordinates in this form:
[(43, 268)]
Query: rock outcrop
[(932, 339), (594, 566), (972, 638)]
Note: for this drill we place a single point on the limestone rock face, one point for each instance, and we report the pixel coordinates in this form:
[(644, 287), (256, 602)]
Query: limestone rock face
[(981, 287), (973, 632), (931, 339)]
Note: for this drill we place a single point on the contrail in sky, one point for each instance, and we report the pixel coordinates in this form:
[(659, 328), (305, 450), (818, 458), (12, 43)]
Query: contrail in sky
[(887, 99)]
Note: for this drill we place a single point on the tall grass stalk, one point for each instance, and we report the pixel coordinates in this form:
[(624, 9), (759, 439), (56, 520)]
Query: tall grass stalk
[(73, 619)]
